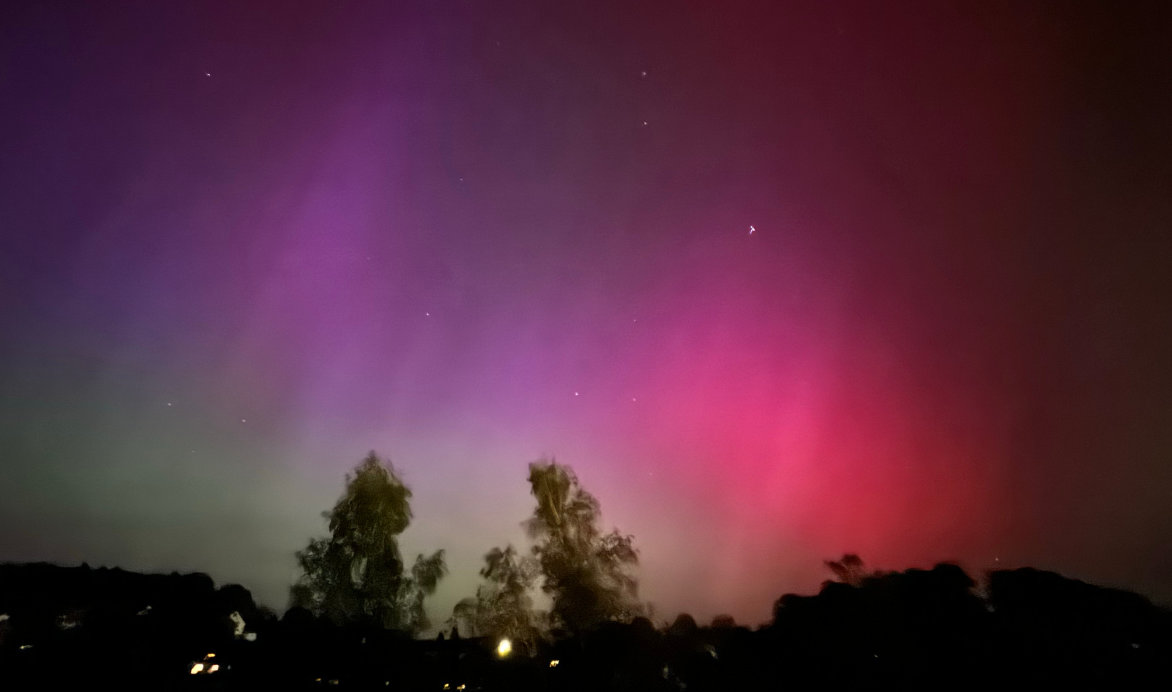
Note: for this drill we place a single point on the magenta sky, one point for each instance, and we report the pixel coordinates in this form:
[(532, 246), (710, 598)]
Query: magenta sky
[(239, 248)]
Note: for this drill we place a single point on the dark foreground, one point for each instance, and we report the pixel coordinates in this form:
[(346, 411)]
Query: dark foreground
[(919, 629)]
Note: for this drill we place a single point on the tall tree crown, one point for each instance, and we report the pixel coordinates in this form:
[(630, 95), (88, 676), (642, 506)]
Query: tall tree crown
[(586, 573), (357, 573)]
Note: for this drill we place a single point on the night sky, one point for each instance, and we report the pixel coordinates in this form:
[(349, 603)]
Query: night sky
[(780, 281)]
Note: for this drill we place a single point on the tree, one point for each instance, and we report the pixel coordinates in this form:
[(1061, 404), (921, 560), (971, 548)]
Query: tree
[(723, 622), (356, 574), (585, 572), (850, 569), (503, 606)]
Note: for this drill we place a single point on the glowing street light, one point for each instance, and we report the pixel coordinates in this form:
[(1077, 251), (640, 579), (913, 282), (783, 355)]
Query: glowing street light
[(504, 648)]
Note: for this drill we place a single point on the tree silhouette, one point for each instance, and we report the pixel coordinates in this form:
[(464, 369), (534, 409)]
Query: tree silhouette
[(356, 575), (723, 622), (850, 569), (503, 606), (585, 572), (683, 626)]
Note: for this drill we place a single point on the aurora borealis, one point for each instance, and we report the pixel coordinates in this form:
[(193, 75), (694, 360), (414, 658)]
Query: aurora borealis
[(242, 244)]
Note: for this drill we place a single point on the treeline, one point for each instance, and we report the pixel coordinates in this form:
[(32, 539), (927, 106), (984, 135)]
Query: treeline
[(356, 613), (917, 629), (82, 625)]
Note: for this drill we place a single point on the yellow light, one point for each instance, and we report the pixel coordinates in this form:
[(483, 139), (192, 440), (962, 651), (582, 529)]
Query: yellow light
[(213, 667), (197, 668), (210, 656), (447, 686), (554, 663), (504, 648)]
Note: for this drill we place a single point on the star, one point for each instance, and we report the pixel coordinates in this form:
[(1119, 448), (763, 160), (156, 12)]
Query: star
[(169, 404), (243, 420), (752, 230), (644, 123), (575, 393), (643, 74), (207, 74)]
